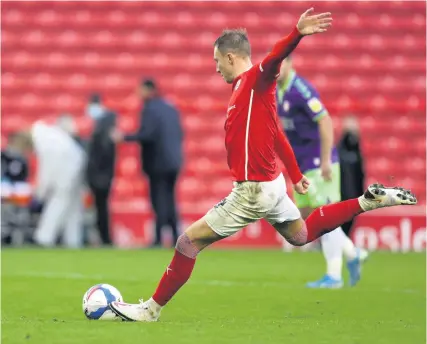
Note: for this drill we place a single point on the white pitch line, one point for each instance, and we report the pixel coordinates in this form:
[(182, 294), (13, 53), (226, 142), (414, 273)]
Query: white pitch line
[(218, 283)]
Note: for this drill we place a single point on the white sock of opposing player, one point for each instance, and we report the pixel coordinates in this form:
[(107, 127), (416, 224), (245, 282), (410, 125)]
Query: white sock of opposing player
[(332, 248), (348, 248)]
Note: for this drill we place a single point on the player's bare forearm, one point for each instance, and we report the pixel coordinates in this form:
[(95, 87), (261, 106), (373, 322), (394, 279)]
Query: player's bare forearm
[(287, 155), (326, 132)]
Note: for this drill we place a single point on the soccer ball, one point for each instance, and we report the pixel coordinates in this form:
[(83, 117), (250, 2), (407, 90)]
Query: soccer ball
[(97, 299)]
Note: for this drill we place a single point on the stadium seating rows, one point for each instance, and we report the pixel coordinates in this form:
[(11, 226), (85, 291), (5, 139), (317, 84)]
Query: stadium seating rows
[(372, 64)]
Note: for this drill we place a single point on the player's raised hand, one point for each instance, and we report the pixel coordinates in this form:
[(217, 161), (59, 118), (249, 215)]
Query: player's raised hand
[(310, 24), (302, 186)]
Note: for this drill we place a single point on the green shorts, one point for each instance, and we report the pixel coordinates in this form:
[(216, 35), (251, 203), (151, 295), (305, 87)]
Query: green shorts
[(320, 192)]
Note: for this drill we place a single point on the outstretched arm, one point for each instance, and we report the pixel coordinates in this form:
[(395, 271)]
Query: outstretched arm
[(307, 25), (147, 130), (270, 66)]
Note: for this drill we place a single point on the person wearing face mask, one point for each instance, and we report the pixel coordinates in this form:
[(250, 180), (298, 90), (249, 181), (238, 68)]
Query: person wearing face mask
[(352, 166), (100, 171), (95, 109)]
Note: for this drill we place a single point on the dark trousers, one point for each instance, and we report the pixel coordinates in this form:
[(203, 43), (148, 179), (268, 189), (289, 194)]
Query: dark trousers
[(162, 194), (351, 187), (346, 227), (102, 213)]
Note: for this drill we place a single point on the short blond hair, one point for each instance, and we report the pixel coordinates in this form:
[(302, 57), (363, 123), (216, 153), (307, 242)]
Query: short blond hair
[(235, 41)]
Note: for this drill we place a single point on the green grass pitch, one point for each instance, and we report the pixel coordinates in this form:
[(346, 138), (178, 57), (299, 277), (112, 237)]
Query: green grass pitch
[(233, 297)]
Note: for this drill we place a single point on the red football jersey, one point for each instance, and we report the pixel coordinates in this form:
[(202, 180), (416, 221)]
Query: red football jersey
[(253, 136)]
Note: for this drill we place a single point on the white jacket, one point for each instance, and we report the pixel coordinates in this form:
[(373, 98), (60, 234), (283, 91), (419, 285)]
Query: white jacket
[(60, 159)]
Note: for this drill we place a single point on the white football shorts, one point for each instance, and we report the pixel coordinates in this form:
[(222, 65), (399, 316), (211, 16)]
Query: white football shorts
[(249, 202)]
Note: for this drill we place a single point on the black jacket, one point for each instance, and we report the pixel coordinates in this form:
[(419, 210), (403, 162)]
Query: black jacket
[(160, 136), (101, 153), (352, 166)]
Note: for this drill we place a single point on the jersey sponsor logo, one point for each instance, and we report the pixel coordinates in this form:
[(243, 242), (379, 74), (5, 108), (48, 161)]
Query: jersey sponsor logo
[(315, 105), (286, 106)]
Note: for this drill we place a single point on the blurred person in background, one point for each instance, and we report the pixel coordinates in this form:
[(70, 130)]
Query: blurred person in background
[(66, 122), (352, 166), (14, 162), (160, 135), (310, 131), (100, 170), (61, 162), (95, 108), (15, 189)]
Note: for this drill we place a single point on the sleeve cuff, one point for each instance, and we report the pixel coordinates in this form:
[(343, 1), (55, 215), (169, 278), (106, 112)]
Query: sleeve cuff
[(320, 115), (295, 33), (295, 177)]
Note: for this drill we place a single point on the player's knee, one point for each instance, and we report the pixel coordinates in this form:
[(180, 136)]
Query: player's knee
[(198, 236), (299, 236), (297, 241), (294, 232), (185, 246)]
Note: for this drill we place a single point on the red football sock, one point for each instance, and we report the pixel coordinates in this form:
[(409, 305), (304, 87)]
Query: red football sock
[(328, 217), (176, 275)]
